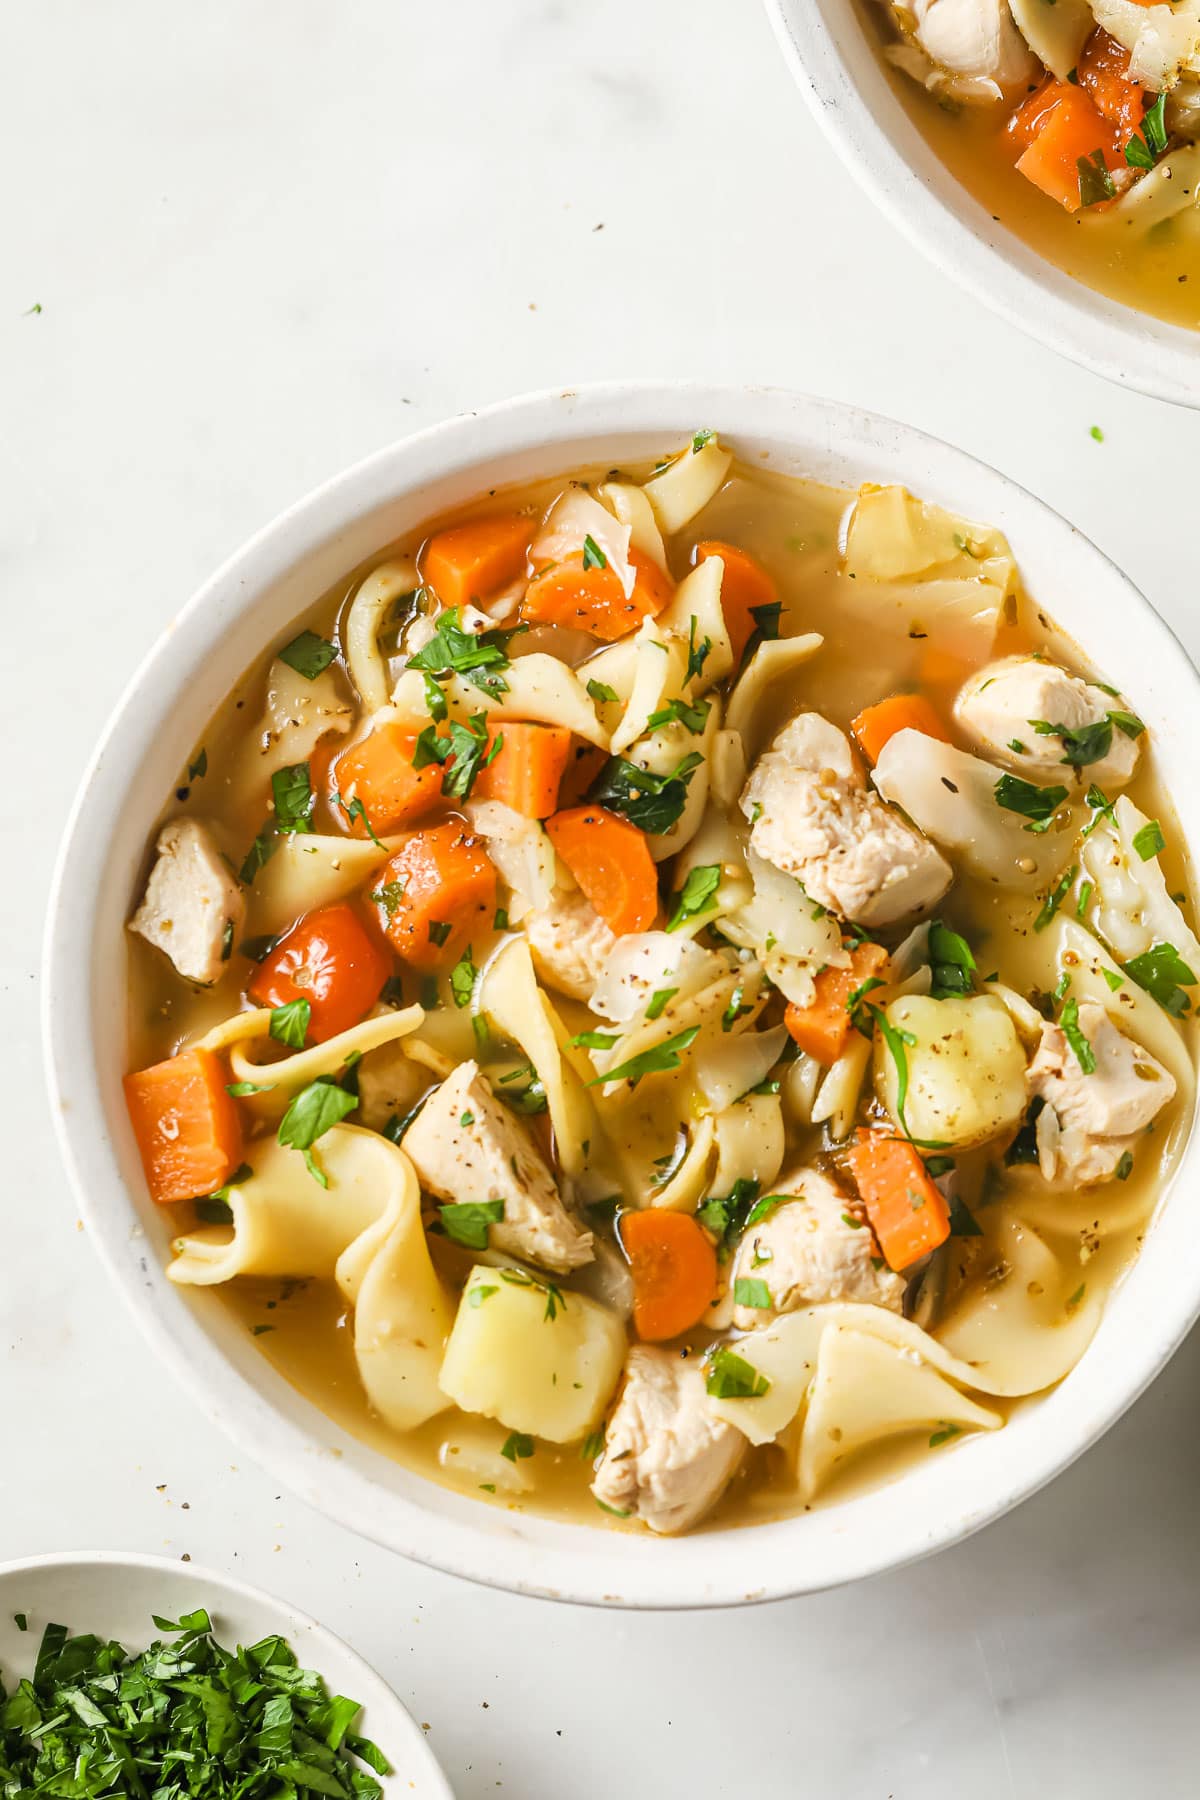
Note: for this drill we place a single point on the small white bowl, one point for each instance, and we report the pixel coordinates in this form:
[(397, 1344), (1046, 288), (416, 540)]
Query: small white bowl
[(837, 67), (253, 600), (115, 1593)]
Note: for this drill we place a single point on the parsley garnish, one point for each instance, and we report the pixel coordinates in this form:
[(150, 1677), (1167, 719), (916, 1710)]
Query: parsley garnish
[(311, 1112), (1095, 182), (651, 802), (308, 654), (749, 1290), (655, 1061), (259, 854), (1164, 975), (697, 653), (1055, 898), (701, 438), (1036, 804), (1068, 1019), (463, 752), (860, 1016), (1143, 152), (951, 963), (198, 766), (289, 1024), (697, 896), (1124, 1168), (462, 978), (600, 691), (659, 999), (478, 655), (293, 797), (944, 1433), (681, 712), (593, 555), (898, 1042), (731, 1377), (467, 1221), (1149, 840), (517, 1443)]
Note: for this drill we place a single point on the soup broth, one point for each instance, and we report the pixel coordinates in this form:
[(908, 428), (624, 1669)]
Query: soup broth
[(684, 1152)]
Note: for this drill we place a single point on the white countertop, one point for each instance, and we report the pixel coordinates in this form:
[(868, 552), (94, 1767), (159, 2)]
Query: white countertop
[(267, 238)]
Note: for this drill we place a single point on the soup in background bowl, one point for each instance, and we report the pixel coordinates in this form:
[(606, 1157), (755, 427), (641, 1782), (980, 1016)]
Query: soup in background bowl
[(658, 998)]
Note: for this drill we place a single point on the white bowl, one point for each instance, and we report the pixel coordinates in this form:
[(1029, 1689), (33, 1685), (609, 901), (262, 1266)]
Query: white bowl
[(115, 1593), (252, 601), (836, 63)]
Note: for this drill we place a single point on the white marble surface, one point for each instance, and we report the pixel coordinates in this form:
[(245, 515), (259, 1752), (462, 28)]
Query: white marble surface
[(266, 237)]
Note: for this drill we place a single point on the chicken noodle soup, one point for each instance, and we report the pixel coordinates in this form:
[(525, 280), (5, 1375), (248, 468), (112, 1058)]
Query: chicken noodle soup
[(1075, 122), (671, 992)]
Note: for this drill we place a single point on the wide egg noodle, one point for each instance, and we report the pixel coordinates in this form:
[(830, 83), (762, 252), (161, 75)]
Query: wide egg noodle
[(365, 618), (696, 618), (297, 714), (363, 1231), (687, 484), (509, 995), (635, 512), (750, 1143), (538, 688), (279, 1079), (658, 677), (772, 661)]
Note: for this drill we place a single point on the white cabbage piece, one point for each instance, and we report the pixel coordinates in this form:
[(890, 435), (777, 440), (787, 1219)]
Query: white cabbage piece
[(643, 963), (536, 1359), (750, 1142), (577, 515), (966, 1069), (539, 688), (296, 714), (1056, 34), (890, 535), (688, 483), (365, 619), (308, 870), (1163, 40), (634, 511), (729, 1067), (362, 1230), (523, 854), (696, 618), (836, 1099), (951, 796), (865, 1390), (1133, 907)]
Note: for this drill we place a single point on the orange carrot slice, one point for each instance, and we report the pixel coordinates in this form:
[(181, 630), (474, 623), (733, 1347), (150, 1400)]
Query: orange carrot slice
[(674, 1269), (379, 772), (1103, 72), (470, 561), (593, 599), (823, 1029), (330, 960), (900, 712), (1073, 130), (435, 894), (186, 1125), (744, 585), (907, 1211), (528, 767), (611, 861)]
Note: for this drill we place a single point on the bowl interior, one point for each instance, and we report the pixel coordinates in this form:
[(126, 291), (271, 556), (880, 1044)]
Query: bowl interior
[(115, 1596), (835, 60), (253, 600)]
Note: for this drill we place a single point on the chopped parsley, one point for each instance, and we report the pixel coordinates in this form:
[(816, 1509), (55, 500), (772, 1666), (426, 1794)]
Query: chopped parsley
[(198, 766), (701, 439), (593, 555), (517, 1443), (462, 752), (697, 896), (898, 1044), (479, 1293), (1037, 804), (311, 1112), (1095, 182), (1149, 840), (1024, 1147), (731, 1377), (1055, 898), (479, 656), (652, 802), (860, 1015), (293, 797), (289, 1024), (659, 1000), (462, 979), (1068, 1019), (595, 1040), (1144, 151), (1124, 1168), (1102, 808), (1164, 975), (681, 712), (466, 1222), (951, 964), (658, 1060), (697, 653), (308, 654), (601, 692), (749, 1290), (943, 1435), (259, 854)]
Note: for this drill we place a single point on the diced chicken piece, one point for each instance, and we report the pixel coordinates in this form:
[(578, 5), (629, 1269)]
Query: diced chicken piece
[(570, 944), (193, 907), (1089, 1121), (466, 1146), (1001, 705), (812, 817), (667, 1459), (389, 1084), (976, 38), (812, 1249)]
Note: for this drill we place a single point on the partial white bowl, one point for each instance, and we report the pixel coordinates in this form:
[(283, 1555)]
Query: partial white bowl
[(254, 600), (837, 67), (115, 1593)]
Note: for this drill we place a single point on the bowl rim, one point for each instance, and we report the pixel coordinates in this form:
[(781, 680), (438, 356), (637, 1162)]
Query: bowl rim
[(375, 1693), (938, 215), (529, 1553)]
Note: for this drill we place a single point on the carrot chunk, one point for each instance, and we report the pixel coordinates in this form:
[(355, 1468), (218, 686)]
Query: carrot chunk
[(611, 861), (744, 585), (330, 960), (674, 1269), (583, 766), (907, 1211), (1073, 131), (527, 769), (1103, 72), (379, 772), (438, 889), (900, 712), (186, 1125), (470, 561), (592, 599), (823, 1029)]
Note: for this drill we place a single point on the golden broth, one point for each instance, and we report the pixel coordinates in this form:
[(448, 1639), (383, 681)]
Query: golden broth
[(304, 1329)]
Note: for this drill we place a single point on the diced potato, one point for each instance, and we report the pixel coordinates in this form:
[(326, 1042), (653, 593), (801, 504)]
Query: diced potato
[(536, 1359), (966, 1069)]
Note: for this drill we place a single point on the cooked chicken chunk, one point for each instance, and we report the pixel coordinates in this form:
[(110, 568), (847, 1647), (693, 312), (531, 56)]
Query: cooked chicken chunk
[(193, 907), (811, 1249), (389, 1084), (466, 1146), (569, 943), (812, 817), (1002, 705), (976, 38), (1090, 1120), (667, 1460)]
